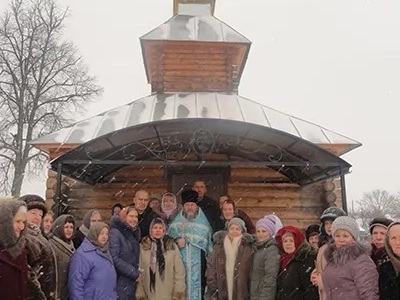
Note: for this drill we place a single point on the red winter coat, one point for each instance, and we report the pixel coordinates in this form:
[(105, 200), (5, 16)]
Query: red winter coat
[(13, 276)]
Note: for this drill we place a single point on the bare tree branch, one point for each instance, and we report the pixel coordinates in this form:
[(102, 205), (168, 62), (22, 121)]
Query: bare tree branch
[(377, 203), (42, 80)]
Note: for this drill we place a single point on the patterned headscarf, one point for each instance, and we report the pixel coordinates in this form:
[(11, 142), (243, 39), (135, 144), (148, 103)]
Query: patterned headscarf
[(156, 254)]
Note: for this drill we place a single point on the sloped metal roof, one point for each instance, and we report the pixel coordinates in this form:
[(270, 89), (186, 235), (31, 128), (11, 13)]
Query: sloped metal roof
[(190, 141), (195, 28), (171, 106)]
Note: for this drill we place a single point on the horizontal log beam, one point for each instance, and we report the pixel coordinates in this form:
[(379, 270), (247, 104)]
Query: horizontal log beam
[(168, 60)]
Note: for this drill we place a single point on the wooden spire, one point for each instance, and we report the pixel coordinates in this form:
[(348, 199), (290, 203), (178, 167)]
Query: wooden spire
[(177, 3)]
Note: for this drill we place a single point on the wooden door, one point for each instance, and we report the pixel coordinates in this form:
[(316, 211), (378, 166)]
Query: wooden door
[(215, 180)]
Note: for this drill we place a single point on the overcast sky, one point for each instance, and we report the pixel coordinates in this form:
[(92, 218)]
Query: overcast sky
[(334, 63)]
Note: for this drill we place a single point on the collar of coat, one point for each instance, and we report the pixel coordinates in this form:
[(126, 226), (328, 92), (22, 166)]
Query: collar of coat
[(346, 253), (304, 250), (169, 243), (124, 228), (267, 243), (219, 237)]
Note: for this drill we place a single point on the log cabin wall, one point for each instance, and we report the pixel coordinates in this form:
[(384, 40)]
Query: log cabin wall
[(257, 190)]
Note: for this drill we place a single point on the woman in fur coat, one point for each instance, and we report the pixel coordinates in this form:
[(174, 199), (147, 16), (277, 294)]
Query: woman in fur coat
[(13, 255), (296, 265), (60, 239), (229, 266), (350, 272), (40, 254), (163, 276), (124, 249)]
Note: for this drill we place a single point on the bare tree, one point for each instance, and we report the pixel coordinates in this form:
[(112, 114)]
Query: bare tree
[(43, 83), (377, 203)]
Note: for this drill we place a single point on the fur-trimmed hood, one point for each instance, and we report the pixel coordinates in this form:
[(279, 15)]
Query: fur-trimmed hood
[(125, 229), (342, 255), (219, 237), (8, 238), (168, 241)]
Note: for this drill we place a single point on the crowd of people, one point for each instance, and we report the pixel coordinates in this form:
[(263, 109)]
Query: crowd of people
[(160, 248)]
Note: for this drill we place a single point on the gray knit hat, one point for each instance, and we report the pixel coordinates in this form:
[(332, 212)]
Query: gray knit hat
[(348, 224), (238, 222)]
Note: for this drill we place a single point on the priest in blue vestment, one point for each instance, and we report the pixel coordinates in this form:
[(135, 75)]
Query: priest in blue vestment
[(192, 232)]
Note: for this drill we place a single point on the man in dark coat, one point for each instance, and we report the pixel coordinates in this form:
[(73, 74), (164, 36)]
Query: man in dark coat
[(146, 213), (209, 206)]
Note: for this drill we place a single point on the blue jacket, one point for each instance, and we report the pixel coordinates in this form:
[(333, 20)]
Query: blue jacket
[(125, 250), (91, 274)]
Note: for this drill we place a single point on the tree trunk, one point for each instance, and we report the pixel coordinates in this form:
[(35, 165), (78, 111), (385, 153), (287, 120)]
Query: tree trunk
[(18, 179)]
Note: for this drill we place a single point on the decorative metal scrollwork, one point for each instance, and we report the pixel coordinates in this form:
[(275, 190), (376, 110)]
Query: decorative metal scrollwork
[(178, 147)]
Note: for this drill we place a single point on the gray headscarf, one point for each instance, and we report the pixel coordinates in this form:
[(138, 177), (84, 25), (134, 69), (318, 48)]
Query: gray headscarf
[(84, 228), (58, 226), (93, 235), (8, 239)]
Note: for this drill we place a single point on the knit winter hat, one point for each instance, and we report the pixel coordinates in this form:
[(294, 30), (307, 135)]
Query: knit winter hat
[(331, 213), (189, 196), (277, 222), (348, 224), (311, 230), (267, 224), (238, 222), (379, 221), (34, 201)]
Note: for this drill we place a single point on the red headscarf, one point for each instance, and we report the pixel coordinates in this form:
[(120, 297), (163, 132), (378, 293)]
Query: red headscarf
[(299, 238)]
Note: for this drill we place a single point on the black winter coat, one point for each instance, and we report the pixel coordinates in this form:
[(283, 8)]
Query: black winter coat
[(294, 281)]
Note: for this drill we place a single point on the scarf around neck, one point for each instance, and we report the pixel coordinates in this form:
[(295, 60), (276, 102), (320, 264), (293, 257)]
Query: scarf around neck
[(157, 259)]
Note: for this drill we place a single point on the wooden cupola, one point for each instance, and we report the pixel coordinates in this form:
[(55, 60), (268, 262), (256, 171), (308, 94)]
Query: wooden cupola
[(194, 51)]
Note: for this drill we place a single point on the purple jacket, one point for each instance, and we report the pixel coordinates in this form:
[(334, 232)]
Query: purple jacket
[(91, 274), (350, 273)]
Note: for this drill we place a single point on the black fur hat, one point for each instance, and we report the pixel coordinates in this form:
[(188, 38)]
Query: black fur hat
[(34, 201), (189, 196), (313, 229)]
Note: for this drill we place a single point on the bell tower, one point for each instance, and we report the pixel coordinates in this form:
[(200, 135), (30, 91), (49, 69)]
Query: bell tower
[(194, 51)]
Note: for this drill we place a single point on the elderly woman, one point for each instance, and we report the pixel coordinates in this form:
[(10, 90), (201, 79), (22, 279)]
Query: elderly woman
[(161, 262), (296, 264), (60, 239), (40, 253), (265, 262), (13, 254), (91, 274), (169, 208), (350, 272), (389, 269), (91, 217), (124, 249), (229, 266)]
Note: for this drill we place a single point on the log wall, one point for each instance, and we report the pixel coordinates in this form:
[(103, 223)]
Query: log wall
[(257, 190)]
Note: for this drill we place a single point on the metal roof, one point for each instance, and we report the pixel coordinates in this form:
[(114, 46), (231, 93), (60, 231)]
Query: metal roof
[(195, 28), (170, 106), (190, 142)]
